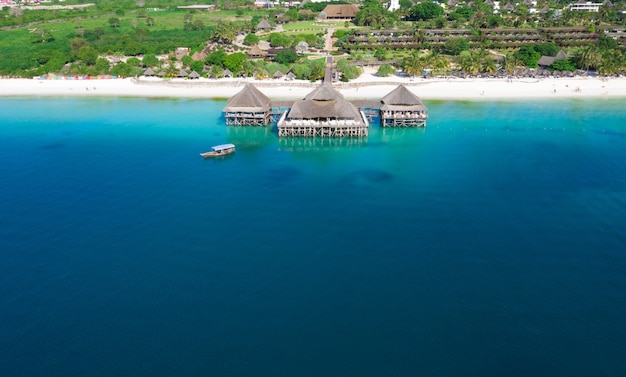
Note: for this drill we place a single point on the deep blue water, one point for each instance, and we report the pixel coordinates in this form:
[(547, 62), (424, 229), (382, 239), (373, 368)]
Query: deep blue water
[(492, 243)]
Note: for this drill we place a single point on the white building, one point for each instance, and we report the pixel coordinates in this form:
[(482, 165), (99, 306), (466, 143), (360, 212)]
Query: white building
[(394, 5), (585, 7)]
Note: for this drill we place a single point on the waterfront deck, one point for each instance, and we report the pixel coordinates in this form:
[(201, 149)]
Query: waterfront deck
[(325, 112)]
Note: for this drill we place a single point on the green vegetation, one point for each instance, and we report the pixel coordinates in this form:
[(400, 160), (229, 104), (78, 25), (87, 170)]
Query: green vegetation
[(145, 33)]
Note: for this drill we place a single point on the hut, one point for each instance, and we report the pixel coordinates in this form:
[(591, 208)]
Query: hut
[(323, 112), (256, 52), (199, 56), (263, 26), (249, 107), (182, 74), (149, 72), (402, 108), (162, 74), (194, 75), (226, 73), (278, 74), (546, 61), (340, 12), (290, 76)]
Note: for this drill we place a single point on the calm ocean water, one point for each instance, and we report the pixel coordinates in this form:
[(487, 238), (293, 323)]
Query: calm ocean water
[(492, 243)]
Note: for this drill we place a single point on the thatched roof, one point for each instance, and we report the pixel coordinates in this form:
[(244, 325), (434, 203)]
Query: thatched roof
[(161, 73), (291, 75), (148, 72), (509, 7), (562, 55), (278, 74), (324, 103), (199, 55), (256, 51), (194, 75), (402, 99), (546, 61), (341, 11), (182, 73), (249, 99), (324, 93), (227, 73), (263, 25)]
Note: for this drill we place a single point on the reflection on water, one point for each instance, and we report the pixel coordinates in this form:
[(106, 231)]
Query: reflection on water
[(317, 144)]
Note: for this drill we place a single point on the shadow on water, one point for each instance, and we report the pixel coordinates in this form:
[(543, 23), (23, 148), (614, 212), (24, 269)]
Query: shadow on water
[(283, 175), (54, 145), (365, 178), (288, 144), (250, 138)]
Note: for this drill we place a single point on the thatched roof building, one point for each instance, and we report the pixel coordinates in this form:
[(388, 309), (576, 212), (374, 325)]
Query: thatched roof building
[(249, 99), (403, 99), (194, 75), (249, 107), (227, 73), (149, 72), (256, 52), (546, 61), (341, 11), (402, 108), (324, 103), (323, 112), (199, 56), (509, 7), (263, 25)]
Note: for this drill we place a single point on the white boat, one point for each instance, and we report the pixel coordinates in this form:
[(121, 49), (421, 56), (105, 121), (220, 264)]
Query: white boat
[(219, 150)]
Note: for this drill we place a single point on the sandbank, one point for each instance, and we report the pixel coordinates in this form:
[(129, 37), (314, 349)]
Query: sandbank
[(368, 86)]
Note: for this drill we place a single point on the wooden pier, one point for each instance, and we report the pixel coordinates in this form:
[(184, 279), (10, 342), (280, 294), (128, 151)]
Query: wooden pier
[(323, 113)]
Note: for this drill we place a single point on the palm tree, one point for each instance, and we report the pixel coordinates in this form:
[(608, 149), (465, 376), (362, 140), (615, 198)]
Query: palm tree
[(223, 32), (436, 61), (612, 62), (414, 64), (470, 62), (589, 57)]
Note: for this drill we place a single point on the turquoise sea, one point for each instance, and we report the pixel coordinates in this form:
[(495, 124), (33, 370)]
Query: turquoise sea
[(491, 243)]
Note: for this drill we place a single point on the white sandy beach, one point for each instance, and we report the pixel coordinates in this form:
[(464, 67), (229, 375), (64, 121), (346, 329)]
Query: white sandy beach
[(366, 86)]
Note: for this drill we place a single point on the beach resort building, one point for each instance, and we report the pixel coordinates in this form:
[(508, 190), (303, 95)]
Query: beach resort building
[(324, 112), (340, 12), (402, 108), (249, 107), (588, 6)]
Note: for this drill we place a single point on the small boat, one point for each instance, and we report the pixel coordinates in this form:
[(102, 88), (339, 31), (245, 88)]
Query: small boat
[(219, 150)]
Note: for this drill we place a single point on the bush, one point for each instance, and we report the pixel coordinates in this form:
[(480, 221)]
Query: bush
[(251, 39), (385, 70), (286, 57), (455, 46)]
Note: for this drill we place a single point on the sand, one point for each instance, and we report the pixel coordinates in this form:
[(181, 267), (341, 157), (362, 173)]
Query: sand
[(366, 86)]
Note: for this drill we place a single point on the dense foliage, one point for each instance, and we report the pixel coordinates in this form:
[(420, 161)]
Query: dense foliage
[(93, 40)]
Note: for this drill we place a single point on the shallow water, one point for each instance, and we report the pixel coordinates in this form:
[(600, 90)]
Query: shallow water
[(491, 243)]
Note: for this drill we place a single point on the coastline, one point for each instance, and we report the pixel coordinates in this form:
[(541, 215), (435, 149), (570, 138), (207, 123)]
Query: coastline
[(367, 86)]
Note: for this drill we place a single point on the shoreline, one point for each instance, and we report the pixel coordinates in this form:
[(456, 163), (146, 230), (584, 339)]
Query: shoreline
[(365, 87)]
